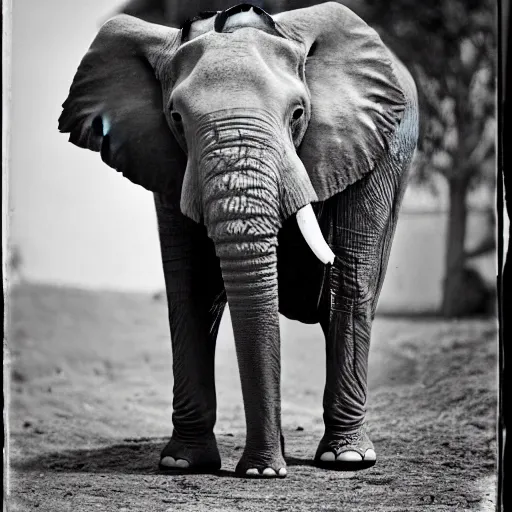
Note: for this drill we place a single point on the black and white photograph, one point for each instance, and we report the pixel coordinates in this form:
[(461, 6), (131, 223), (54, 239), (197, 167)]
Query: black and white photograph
[(252, 255)]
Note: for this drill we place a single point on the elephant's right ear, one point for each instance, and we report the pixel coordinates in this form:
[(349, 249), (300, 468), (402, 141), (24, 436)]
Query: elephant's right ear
[(357, 101), (115, 104)]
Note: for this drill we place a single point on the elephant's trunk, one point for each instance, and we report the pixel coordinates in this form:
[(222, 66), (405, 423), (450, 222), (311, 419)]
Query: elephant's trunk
[(241, 206), (250, 280)]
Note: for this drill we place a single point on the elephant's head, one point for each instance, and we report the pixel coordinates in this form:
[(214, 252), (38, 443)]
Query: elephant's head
[(245, 118)]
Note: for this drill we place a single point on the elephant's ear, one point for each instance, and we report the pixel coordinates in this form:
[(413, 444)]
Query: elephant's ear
[(115, 104), (356, 100)]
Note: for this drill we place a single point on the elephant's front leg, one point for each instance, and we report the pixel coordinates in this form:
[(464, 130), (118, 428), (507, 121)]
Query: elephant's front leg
[(196, 303), (346, 444), (360, 224)]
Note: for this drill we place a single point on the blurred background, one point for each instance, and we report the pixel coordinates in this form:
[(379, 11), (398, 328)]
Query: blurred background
[(74, 221)]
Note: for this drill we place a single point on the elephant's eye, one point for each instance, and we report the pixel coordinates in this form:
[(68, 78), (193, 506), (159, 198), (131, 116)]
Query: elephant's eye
[(297, 114), (176, 117), (296, 124)]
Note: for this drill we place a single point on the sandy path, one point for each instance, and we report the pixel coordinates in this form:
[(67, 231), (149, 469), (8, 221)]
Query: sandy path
[(91, 404)]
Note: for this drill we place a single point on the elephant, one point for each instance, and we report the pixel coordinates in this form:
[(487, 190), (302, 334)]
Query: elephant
[(278, 150)]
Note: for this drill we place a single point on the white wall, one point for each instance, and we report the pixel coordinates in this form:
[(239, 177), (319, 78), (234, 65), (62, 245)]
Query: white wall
[(75, 220), (416, 265)]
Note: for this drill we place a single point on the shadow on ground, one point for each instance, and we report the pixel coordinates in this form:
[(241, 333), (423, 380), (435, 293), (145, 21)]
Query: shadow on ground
[(132, 456)]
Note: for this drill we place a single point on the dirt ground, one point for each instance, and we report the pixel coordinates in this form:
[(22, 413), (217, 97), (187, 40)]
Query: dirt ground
[(90, 410)]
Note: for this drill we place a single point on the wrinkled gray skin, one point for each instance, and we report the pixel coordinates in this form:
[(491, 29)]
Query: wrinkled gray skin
[(260, 138)]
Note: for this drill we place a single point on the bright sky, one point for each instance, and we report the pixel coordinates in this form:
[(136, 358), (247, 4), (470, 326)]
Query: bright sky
[(75, 220)]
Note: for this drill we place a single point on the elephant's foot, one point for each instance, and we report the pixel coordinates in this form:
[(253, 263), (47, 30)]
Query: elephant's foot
[(199, 457), (346, 452), (263, 464)]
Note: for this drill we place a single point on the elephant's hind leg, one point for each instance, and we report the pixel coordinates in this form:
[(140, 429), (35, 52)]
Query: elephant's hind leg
[(196, 301)]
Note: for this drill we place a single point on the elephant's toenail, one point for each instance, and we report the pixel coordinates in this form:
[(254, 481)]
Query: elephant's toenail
[(327, 456), (282, 472), (269, 472), (252, 472), (168, 461), (349, 457), (370, 455), (181, 463)]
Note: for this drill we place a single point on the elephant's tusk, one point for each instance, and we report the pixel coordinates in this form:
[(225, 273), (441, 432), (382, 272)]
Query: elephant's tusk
[(310, 230)]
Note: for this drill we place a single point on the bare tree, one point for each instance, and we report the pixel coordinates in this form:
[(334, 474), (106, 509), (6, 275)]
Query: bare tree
[(449, 46)]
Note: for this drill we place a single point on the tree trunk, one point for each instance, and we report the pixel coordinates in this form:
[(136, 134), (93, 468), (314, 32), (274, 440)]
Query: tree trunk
[(453, 286)]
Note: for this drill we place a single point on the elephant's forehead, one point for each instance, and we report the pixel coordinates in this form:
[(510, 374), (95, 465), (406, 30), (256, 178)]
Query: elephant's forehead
[(230, 49)]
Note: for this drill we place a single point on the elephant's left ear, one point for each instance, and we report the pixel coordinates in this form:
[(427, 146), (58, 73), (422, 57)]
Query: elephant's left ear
[(356, 100), (115, 104)]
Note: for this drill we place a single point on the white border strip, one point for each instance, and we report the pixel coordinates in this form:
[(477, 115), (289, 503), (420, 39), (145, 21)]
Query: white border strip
[(6, 158)]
